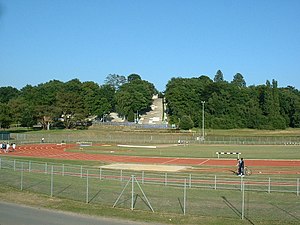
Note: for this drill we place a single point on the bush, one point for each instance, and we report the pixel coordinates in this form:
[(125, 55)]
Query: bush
[(186, 123)]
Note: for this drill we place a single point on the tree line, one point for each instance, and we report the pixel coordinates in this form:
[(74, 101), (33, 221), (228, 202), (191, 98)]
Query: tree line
[(226, 105), (74, 104), (229, 105)]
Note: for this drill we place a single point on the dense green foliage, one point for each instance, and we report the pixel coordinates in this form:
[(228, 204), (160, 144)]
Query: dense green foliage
[(227, 104), (233, 105), (134, 96), (73, 103)]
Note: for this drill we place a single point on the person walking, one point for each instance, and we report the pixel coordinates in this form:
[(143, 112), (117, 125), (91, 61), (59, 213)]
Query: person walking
[(241, 167), (238, 172)]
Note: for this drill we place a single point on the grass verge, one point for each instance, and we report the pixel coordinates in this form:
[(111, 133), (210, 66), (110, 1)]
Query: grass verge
[(10, 194)]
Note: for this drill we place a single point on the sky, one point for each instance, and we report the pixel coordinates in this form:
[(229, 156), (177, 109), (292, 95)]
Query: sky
[(43, 40)]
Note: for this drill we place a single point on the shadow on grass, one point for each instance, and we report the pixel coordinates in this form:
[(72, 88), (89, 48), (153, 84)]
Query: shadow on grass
[(181, 206), (143, 200), (62, 190), (95, 196), (123, 201), (33, 185), (287, 212), (231, 206), (234, 209), (234, 172), (129, 199)]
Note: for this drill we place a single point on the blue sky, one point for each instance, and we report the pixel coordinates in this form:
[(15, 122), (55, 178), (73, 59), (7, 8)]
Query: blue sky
[(42, 40)]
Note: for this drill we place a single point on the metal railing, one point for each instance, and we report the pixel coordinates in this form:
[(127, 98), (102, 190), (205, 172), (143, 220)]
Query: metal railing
[(175, 179), (257, 199)]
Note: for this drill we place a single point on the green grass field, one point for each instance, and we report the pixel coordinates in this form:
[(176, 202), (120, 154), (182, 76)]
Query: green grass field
[(198, 151)]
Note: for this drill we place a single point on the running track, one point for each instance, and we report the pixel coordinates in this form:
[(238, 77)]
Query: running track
[(55, 151)]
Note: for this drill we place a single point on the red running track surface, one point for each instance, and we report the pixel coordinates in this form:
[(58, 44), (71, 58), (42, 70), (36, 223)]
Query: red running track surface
[(55, 151)]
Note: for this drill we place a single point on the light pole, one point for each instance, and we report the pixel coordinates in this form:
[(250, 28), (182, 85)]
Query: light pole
[(137, 116), (203, 102)]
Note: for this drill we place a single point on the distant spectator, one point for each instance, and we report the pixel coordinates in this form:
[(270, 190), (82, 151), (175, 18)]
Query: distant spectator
[(7, 147), (4, 147), (13, 147)]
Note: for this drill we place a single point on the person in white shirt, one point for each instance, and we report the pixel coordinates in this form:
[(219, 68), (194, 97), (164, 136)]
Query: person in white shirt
[(13, 147)]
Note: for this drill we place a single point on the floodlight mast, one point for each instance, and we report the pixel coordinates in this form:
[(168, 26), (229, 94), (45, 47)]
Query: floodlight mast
[(203, 120)]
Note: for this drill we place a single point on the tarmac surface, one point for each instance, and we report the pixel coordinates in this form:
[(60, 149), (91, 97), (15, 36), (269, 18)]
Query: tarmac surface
[(14, 214)]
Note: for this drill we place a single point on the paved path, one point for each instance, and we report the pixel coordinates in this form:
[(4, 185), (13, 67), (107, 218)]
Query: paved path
[(155, 115), (13, 214)]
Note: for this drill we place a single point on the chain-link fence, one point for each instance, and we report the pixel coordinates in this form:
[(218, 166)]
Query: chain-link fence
[(128, 137), (183, 193)]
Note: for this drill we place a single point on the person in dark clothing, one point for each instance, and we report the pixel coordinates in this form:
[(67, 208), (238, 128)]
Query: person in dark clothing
[(241, 165), (238, 167)]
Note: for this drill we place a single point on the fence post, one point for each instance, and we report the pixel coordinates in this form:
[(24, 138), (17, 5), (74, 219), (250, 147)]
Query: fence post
[(22, 176), (63, 169), (298, 187), (80, 171), (100, 173), (132, 192), (242, 183), (143, 174), (166, 179), (184, 197), (190, 181), (51, 184), (121, 175), (243, 199), (14, 165), (215, 182), (269, 187), (29, 167), (87, 186), (46, 168)]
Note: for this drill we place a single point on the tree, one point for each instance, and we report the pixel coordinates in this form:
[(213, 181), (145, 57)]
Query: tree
[(108, 100), (28, 118), (186, 123), (265, 98), (130, 117), (134, 96), (133, 76), (17, 106), (5, 116), (228, 105), (8, 93), (268, 97), (238, 80), (91, 97), (290, 106), (184, 97), (219, 76), (115, 80)]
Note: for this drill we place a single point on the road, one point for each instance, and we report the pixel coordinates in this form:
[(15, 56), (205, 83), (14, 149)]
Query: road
[(13, 214)]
